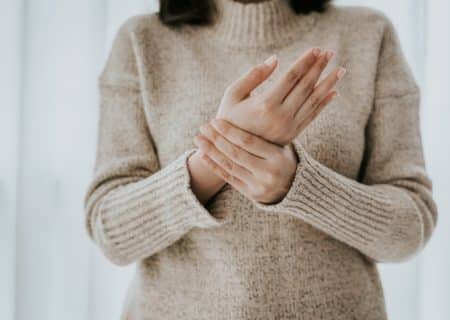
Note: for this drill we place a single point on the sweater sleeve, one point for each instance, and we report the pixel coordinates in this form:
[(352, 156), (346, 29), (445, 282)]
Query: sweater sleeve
[(134, 208), (389, 213)]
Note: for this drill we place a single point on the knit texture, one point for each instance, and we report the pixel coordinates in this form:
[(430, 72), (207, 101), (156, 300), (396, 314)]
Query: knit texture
[(361, 194)]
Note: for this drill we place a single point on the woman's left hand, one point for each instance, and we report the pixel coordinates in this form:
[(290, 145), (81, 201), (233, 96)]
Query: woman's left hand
[(261, 170)]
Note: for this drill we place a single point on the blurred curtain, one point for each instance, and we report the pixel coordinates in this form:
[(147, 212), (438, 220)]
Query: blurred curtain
[(52, 52)]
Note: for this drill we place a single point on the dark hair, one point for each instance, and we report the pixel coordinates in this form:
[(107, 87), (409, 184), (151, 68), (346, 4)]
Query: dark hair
[(177, 12)]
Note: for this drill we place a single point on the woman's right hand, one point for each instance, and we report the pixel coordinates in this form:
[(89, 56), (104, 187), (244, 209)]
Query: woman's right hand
[(280, 113)]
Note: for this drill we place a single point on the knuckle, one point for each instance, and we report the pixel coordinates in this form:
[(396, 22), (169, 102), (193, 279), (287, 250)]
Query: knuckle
[(276, 133), (258, 191), (313, 115), (264, 190), (267, 104), (285, 118), (272, 177), (234, 152), (207, 146), (309, 85), (289, 104), (251, 161), (247, 139), (212, 165), (269, 178), (314, 99), (276, 129), (232, 180), (214, 135), (292, 75), (222, 125), (256, 74), (277, 157), (225, 175), (281, 127), (228, 164), (316, 112)]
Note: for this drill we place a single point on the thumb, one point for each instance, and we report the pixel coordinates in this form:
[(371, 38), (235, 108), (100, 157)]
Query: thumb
[(242, 87)]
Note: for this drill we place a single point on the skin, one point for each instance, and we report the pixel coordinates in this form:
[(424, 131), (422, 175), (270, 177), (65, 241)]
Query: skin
[(261, 164), (275, 115), (258, 169), (248, 145)]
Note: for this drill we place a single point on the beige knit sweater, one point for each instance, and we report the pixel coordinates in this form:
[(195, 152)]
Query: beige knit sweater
[(361, 193)]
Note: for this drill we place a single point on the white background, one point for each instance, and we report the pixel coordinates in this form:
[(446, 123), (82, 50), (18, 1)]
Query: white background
[(51, 53)]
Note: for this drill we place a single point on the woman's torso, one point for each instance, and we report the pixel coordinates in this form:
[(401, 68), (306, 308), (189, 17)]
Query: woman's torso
[(256, 263)]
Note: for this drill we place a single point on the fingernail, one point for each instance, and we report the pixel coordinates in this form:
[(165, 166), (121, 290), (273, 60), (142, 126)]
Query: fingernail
[(271, 60), (330, 54), (316, 52), (341, 73)]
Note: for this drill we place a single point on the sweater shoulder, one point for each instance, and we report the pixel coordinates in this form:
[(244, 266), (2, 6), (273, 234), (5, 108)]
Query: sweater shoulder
[(136, 31), (141, 23), (148, 33), (360, 18)]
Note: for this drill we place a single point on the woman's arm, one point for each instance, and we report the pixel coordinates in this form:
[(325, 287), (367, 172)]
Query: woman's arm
[(134, 208), (390, 214)]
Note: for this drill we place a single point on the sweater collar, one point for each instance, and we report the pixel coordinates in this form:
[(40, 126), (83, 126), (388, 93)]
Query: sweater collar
[(258, 24)]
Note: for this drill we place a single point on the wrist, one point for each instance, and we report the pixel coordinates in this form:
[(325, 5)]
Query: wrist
[(291, 163), (196, 165), (291, 154)]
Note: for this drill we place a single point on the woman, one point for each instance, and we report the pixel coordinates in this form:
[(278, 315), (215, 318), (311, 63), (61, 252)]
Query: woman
[(245, 189)]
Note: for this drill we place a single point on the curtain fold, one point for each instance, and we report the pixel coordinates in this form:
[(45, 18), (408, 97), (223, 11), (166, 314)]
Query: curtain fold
[(53, 52)]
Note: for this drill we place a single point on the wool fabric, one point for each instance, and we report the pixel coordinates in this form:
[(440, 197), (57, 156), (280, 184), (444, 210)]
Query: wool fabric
[(360, 196)]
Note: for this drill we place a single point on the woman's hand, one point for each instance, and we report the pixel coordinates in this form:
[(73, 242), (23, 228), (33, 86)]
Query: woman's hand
[(258, 169), (279, 114)]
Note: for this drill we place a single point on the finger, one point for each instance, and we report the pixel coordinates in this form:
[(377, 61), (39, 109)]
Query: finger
[(296, 71), (242, 157), (315, 112), (225, 176), (321, 91), (247, 141), (303, 89), (224, 162), (243, 86)]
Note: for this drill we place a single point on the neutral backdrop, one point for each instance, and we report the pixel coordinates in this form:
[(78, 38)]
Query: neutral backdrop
[(51, 53)]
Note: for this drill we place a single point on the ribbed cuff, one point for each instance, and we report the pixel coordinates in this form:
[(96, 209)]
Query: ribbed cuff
[(203, 217), (335, 204), (144, 217)]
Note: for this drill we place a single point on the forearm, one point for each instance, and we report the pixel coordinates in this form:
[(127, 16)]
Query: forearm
[(132, 216), (204, 182)]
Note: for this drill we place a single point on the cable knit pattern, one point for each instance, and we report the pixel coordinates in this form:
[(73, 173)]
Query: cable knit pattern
[(361, 194)]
